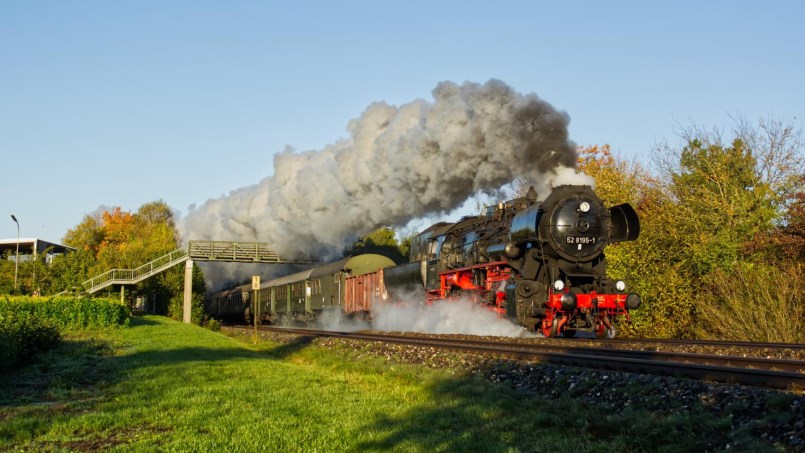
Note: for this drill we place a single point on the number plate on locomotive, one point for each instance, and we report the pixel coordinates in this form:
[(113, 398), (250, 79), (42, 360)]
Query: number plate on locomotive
[(580, 240)]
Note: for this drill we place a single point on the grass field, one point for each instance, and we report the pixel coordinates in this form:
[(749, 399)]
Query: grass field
[(160, 385)]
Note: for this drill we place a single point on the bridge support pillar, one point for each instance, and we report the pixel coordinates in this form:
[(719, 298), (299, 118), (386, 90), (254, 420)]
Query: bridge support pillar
[(188, 292)]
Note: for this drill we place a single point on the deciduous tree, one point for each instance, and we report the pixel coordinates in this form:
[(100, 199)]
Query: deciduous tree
[(382, 241), (721, 202)]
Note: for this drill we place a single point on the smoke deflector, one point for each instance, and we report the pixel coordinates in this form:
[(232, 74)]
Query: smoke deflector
[(625, 224)]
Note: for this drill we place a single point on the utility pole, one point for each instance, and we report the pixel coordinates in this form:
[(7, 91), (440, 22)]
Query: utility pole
[(17, 256)]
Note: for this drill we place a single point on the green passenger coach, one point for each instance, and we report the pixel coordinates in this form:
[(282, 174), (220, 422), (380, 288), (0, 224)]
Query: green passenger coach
[(305, 295)]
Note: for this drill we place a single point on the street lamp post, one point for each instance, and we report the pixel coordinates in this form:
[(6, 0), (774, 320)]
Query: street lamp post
[(17, 256)]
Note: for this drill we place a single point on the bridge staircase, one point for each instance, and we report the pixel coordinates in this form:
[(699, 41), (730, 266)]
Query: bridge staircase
[(133, 276)]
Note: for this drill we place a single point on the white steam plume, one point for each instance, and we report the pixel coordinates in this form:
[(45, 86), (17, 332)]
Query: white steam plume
[(441, 318), (444, 317), (398, 163)]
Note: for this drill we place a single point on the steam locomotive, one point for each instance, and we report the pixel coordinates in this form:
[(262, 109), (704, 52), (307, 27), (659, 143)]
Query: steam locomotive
[(538, 263)]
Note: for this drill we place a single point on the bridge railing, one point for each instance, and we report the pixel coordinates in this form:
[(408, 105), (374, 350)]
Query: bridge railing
[(242, 252)]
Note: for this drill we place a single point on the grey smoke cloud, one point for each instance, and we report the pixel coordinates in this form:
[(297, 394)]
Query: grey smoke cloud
[(398, 163)]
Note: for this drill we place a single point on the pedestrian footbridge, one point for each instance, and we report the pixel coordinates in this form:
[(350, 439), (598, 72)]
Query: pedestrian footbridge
[(225, 251)]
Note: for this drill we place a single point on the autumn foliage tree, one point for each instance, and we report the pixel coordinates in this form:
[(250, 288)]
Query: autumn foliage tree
[(720, 253), (735, 199), (786, 242), (117, 239), (125, 240)]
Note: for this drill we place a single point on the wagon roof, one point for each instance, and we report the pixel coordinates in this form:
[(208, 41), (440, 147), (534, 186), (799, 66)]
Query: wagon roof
[(292, 278)]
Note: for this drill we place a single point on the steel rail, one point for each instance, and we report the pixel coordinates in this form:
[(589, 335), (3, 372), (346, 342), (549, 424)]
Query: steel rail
[(776, 373), (723, 343)]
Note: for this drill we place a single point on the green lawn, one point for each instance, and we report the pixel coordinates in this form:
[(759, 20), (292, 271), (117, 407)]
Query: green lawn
[(162, 386)]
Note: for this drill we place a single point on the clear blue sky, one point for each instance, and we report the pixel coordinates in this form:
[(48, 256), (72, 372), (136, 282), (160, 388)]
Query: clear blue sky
[(120, 103)]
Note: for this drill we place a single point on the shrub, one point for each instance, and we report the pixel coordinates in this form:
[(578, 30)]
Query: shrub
[(176, 308), (213, 324)]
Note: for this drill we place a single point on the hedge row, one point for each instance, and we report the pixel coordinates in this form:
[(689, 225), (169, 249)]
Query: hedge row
[(30, 325), (23, 336), (68, 312)]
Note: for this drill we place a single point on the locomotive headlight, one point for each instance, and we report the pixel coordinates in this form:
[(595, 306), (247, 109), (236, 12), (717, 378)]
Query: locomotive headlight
[(559, 285), (584, 206), (620, 285)]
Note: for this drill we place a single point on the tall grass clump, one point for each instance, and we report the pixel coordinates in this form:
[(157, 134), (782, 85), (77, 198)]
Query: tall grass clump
[(755, 302), (68, 312)]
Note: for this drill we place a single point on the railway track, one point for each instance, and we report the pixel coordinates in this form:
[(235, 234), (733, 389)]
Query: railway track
[(757, 371)]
